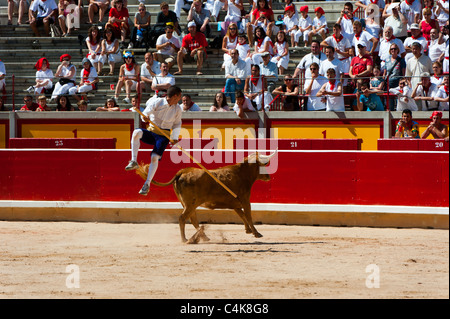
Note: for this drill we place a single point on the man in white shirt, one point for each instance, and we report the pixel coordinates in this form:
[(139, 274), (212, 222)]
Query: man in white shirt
[(417, 65), (442, 11), (167, 46), (416, 36), (331, 63), (235, 73), (166, 114), (341, 46), (363, 37), (437, 45), (242, 105), (386, 42), (42, 12), (412, 10), (149, 69), (162, 82), (312, 87), (397, 21), (316, 56), (425, 91), (187, 105), (346, 20)]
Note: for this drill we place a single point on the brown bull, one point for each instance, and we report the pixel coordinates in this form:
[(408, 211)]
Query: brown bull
[(194, 188)]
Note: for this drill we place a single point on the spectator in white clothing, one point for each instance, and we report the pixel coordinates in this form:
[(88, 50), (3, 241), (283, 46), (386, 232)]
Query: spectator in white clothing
[(312, 87), (168, 47), (425, 91), (149, 69), (416, 36), (187, 105)]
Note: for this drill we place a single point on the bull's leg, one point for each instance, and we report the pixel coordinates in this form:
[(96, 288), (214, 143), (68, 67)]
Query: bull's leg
[(248, 216), (187, 212), (242, 216), (195, 223)]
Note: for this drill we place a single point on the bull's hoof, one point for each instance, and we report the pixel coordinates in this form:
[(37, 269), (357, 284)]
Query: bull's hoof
[(258, 235), (248, 231)]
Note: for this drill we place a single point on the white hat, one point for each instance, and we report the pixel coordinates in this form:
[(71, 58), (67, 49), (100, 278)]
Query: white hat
[(191, 24)]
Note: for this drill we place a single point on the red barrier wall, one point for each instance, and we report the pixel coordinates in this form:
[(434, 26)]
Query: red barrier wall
[(360, 178), (78, 143), (415, 144), (298, 144)]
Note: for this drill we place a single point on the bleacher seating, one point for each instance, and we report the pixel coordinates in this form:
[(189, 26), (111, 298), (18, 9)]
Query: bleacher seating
[(19, 54)]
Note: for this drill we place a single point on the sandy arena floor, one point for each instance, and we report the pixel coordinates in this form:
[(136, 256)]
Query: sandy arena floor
[(49, 260)]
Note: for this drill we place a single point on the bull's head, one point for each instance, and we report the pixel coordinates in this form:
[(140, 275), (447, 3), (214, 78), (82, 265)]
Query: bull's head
[(262, 161)]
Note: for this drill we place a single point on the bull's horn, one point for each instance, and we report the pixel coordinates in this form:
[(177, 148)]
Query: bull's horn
[(266, 158)]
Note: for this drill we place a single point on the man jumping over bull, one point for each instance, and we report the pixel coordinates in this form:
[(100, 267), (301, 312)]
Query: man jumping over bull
[(165, 113)]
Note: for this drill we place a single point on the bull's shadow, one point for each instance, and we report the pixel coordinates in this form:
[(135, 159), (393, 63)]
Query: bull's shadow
[(267, 250)]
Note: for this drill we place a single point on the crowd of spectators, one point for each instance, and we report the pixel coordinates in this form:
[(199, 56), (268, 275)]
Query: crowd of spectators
[(395, 49)]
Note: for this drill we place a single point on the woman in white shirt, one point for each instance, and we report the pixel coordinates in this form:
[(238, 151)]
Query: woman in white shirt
[(66, 73)]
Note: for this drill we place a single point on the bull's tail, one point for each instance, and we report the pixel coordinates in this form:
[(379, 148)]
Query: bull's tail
[(142, 171)]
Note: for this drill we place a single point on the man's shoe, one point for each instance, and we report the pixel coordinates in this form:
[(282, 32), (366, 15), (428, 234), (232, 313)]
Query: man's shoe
[(131, 166), (145, 189)]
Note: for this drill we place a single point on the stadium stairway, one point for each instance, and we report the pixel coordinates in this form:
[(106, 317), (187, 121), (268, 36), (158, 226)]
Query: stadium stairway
[(19, 54)]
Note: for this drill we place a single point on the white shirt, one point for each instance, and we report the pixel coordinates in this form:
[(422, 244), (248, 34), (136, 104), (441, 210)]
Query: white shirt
[(44, 75), (384, 52), (443, 17), (409, 11), (315, 103), (432, 90), (156, 68), (334, 103), (347, 27), (317, 23), (43, 8), (169, 50), (233, 11), (409, 41), (310, 59), (435, 49), (304, 22), (335, 64), (290, 22), (237, 70), (246, 106), (165, 116), (443, 106), (193, 108), (92, 75), (364, 38), (342, 45)]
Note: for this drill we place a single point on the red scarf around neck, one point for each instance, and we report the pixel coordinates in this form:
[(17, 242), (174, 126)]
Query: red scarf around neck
[(410, 2), (446, 89), (86, 75), (129, 67), (254, 80), (259, 41), (358, 35), (332, 85), (338, 39)]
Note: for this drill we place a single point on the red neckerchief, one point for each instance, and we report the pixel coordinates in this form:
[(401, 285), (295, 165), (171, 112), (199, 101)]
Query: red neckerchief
[(86, 75), (391, 38), (401, 91), (339, 39), (332, 85), (437, 77), (409, 3), (446, 89), (414, 37), (41, 108), (358, 35), (129, 67), (232, 39), (259, 41), (374, 2), (254, 80)]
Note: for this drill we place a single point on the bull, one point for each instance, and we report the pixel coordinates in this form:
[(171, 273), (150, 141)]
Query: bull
[(194, 188)]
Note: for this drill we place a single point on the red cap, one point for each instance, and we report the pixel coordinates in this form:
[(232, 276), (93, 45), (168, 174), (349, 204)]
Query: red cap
[(319, 9), (65, 56), (289, 8), (39, 63), (304, 9), (436, 113)]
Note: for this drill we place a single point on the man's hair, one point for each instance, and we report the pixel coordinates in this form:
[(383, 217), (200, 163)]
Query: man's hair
[(416, 44), (187, 95), (349, 4), (329, 48), (407, 111), (163, 4), (331, 70), (173, 90), (239, 94), (337, 25), (358, 23)]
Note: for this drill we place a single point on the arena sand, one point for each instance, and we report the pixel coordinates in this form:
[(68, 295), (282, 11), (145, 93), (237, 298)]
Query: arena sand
[(52, 259)]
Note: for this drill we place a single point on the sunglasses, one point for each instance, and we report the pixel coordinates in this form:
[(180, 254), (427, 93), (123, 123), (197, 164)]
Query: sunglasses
[(313, 68), (287, 80), (26, 100), (233, 29)]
